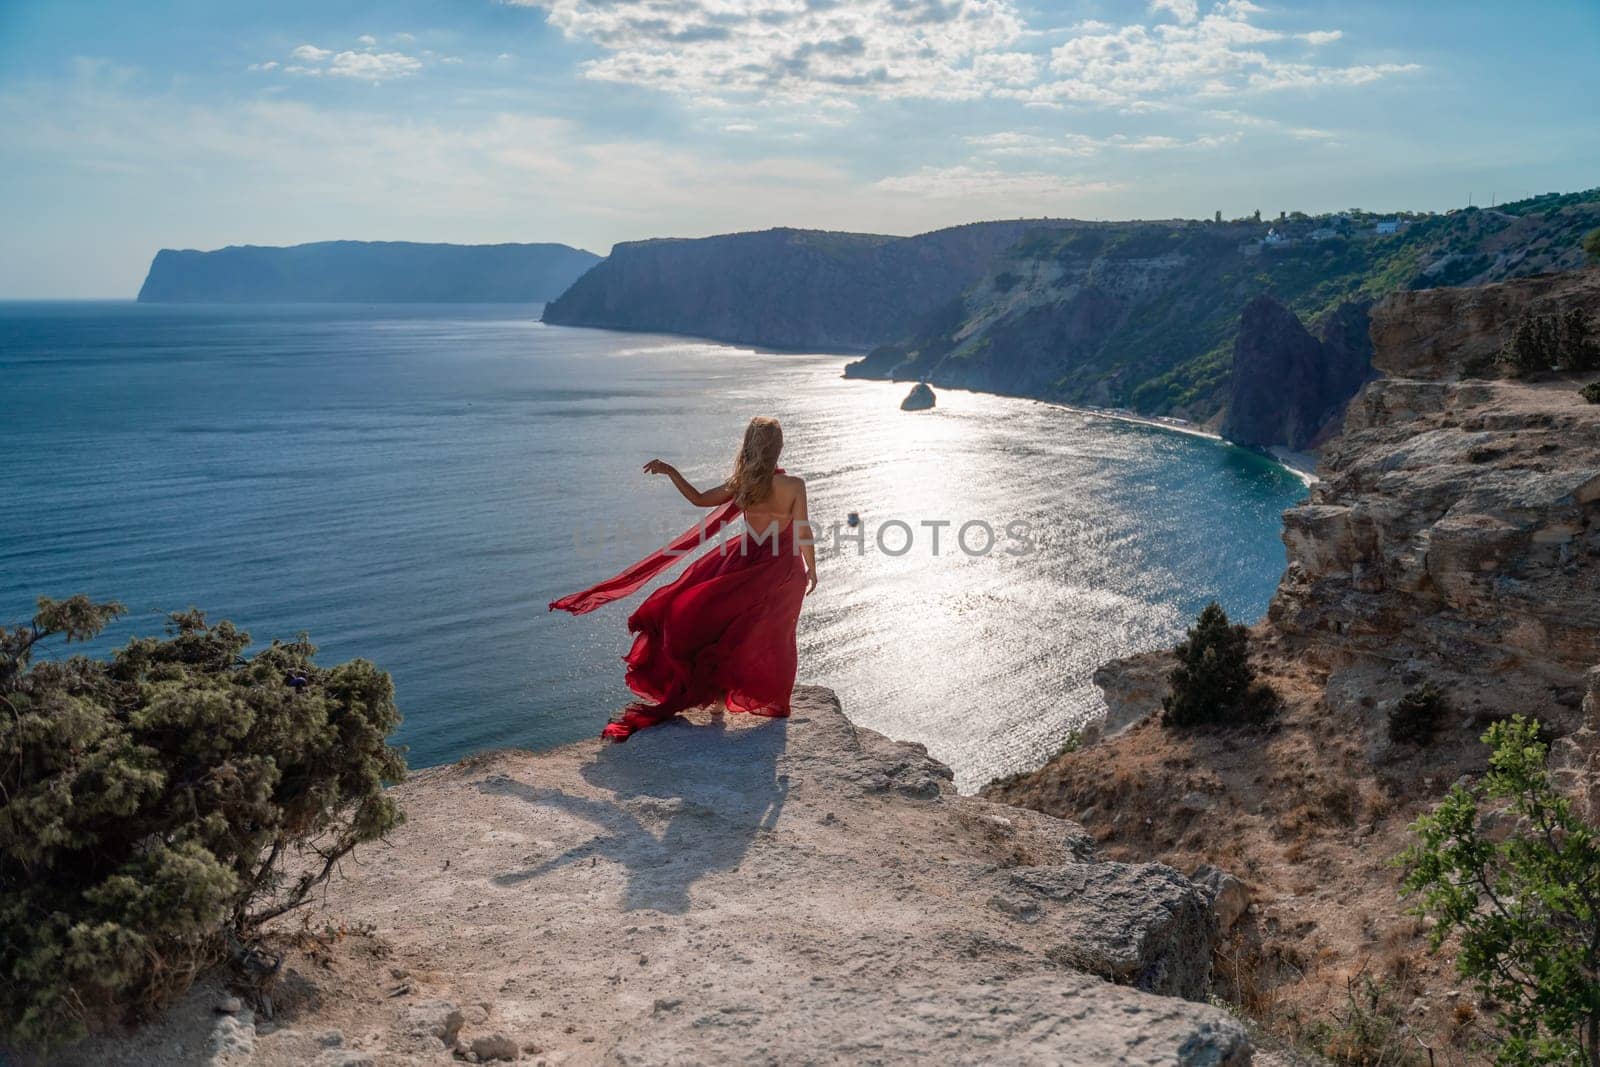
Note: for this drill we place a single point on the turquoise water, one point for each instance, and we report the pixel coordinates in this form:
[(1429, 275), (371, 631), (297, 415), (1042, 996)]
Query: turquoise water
[(413, 484)]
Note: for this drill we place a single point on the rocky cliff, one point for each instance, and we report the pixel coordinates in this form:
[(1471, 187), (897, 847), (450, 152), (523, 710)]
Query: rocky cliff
[(785, 288), (1457, 523), (1287, 387), (725, 890), (365, 272), (1146, 315), (1454, 539)]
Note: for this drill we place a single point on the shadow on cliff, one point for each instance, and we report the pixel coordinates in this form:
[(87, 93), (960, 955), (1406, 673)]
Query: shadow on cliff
[(683, 801)]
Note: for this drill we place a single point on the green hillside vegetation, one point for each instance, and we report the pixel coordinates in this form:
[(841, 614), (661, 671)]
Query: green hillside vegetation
[(1144, 315)]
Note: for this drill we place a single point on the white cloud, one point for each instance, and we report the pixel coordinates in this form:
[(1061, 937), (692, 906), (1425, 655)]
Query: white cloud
[(373, 66), (1219, 53), (1005, 68), (1012, 143), (1185, 11), (715, 52), (1162, 142), (969, 182), (365, 65), (792, 49), (1257, 122)]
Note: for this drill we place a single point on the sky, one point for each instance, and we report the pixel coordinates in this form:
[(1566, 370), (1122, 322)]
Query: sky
[(130, 127)]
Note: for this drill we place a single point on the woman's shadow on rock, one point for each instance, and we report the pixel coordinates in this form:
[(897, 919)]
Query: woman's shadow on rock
[(682, 801)]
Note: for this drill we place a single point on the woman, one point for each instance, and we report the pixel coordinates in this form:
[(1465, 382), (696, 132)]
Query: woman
[(724, 631)]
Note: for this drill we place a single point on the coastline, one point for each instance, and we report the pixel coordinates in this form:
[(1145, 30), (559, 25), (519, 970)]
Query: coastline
[(1302, 465)]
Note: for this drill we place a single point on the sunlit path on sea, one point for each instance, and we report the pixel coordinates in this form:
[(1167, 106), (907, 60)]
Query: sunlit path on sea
[(414, 484)]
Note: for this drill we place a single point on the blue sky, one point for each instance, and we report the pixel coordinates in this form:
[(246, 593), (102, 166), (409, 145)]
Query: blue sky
[(125, 128)]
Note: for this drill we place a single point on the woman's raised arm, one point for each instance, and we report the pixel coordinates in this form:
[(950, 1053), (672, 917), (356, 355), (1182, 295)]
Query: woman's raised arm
[(708, 498)]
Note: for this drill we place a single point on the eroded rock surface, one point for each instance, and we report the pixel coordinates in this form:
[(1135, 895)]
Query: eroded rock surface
[(1456, 528), (729, 889)]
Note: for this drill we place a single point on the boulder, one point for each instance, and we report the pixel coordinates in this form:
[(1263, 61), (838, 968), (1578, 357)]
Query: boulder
[(920, 398), (494, 1047), (1229, 898)]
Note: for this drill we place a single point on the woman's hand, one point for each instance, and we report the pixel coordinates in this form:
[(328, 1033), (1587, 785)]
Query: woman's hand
[(811, 581), (708, 499)]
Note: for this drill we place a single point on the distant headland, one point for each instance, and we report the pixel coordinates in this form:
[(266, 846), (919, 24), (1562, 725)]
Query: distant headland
[(365, 272)]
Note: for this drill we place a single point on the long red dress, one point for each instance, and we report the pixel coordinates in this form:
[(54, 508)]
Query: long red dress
[(724, 630)]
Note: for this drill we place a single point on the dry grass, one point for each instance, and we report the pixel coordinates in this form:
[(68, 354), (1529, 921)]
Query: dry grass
[(1309, 814)]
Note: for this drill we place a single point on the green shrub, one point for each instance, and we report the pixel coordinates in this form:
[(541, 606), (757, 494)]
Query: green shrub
[(148, 805), (1591, 244), (1591, 392), (1525, 905), (1415, 717), (1531, 346), (1562, 341), (1214, 684), (1580, 350)]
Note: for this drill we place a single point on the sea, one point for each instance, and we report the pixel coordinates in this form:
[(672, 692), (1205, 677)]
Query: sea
[(412, 484)]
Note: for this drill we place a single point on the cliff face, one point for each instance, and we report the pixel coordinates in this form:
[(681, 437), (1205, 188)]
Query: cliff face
[(1288, 387), (729, 889), (1145, 315), (784, 288), (1458, 522), (366, 272)]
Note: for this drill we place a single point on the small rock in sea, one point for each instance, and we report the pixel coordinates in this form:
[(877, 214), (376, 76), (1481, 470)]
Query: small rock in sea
[(230, 1005), (920, 398)]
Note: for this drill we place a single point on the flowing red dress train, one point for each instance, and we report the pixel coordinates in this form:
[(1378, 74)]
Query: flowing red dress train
[(723, 631)]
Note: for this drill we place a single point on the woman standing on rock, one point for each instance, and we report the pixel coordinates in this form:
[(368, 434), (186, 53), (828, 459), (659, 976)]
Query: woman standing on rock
[(724, 631)]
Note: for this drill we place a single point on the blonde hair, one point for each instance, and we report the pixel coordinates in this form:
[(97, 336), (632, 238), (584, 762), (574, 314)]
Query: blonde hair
[(757, 460)]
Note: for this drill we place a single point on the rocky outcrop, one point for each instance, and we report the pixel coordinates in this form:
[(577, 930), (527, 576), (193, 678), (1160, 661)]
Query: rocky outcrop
[(1134, 688), (1434, 334), (365, 272), (1457, 523), (1287, 387), (920, 398), (785, 288), (733, 889)]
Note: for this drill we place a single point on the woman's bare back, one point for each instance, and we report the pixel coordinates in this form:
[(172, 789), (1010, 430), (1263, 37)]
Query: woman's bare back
[(779, 507)]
